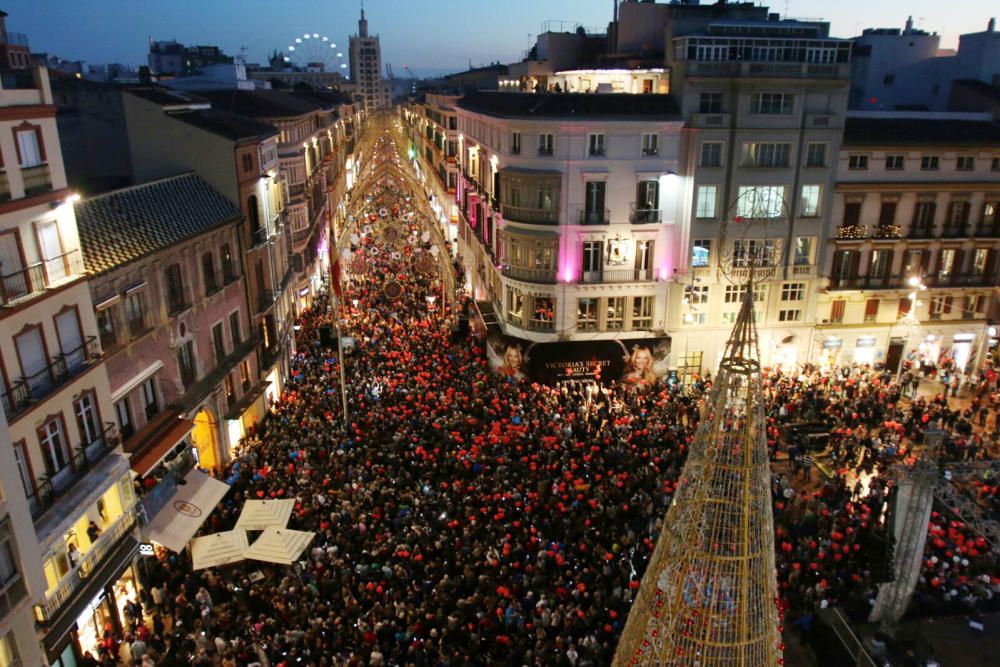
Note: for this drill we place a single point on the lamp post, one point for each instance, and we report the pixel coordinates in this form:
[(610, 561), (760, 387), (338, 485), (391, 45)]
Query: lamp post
[(910, 320)]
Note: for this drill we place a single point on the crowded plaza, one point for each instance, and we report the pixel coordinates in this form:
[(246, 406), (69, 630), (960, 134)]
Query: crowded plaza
[(465, 515)]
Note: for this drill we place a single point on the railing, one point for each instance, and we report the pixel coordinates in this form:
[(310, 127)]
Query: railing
[(650, 152), (34, 387), (641, 216), (955, 232), (596, 152), (960, 280), (711, 120), (176, 304), (543, 216), (595, 217), (264, 301), (47, 491), (544, 152), (541, 325), (921, 232), (36, 179), (867, 282), (21, 285), (887, 232), (619, 276), (18, 79), (803, 270), (530, 275), (14, 38), (769, 69), (258, 237), (76, 578), (760, 272), (987, 230)]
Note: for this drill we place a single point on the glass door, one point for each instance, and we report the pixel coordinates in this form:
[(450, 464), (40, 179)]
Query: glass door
[(52, 252)]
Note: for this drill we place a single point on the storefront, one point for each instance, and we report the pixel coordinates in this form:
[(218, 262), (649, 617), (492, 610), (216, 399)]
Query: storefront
[(830, 352), (865, 351), (106, 611)]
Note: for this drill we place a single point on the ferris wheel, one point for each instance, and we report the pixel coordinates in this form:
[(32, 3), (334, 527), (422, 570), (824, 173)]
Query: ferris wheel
[(312, 51)]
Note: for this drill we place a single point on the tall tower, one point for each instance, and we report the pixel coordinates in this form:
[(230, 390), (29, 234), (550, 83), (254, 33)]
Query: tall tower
[(709, 596), (366, 68)]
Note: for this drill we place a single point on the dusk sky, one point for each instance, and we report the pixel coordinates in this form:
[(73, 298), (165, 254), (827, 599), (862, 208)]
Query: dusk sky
[(426, 35)]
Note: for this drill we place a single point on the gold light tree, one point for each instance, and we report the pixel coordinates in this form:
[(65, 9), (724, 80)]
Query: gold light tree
[(709, 596)]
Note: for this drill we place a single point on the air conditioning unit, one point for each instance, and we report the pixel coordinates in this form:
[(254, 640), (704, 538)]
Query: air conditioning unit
[(827, 321)]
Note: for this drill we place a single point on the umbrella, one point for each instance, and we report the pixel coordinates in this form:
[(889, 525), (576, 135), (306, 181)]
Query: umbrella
[(279, 545), (218, 549), (261, 514)]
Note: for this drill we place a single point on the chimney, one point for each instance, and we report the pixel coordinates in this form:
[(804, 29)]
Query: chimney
[(909, 25), (992, 25)]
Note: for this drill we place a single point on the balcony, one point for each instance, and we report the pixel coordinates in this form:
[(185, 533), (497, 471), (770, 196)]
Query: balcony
[(775, 70), (644, 216), (538, 216), (121, 531), (887, 232), (595, 217), (988, 230), (29, 390), (741, 273), (37, 179), (803, 270), (618, 276), (544, 151), (955, 232), (546, 276), (540, 325), (867, 282), (176, 305), (852, 232), (960, 280), (48, 491), (24, 284), (710, 120), (258, 237), (924, 232), (264, 301)]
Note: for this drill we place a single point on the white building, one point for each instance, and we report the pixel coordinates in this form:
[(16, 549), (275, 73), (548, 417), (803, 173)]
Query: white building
[(913, 260), (366, 69)]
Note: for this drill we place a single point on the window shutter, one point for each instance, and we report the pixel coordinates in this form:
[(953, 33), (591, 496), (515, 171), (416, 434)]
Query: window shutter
[(871, 308), (947, 305), (904, 307), (837, 310)]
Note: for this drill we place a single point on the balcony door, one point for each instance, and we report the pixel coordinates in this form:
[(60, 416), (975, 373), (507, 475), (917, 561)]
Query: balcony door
[(14, 281), (643, 260), (34, 364), (52, 442), (52, 252), (647, 201), (592, 261), (70, 339), (594, 208)]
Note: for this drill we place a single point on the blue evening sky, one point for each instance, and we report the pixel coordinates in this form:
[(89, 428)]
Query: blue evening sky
[(427, 35)]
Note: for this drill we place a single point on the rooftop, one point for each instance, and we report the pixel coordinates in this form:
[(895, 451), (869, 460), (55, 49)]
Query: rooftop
[(225, 124), (266, 103), (125, 225), (619, 106), (921, 129), (167, 97)]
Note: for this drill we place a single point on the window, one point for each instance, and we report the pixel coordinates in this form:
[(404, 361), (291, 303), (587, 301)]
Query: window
[(29, 148), (766, 154), (149, 403), (793, 291), (701, 252), (185, 364), (218, 343), (12, 592), (650, 143), (245, 377), (230, 389), (175, 289), (852, 213), (904, 308), (208, 271), (106, 327), (811, 201), (837, 308), (592, 256), (857, 161), (228, 275), (871, 310), (88, 422), (711, 154), (710, 103), (893, 162), (545, 144), (816, 155), (123, 414), (936, 307), (803, 251), (135, 312), (705, 206), (515, 306), (771, 103), (52, 442), (594, 210), (790, 315), (881, 263), (929, 163), (642, 312), (586, 314), (615, 320), (754, 252), (515, 143), (761, 201), (923, 216), (234, 328), (995, 164), (965, 163), (946, 263), (247, 162), (887, 213), (980, 259), (697, 294), (595, 145)]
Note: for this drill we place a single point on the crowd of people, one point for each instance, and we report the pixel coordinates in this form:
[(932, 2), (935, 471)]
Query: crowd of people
[(466, 517)]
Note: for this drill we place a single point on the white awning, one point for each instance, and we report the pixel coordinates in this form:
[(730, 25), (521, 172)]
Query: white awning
[(261, 514), (279, 545), (175, 524), (218, 549)]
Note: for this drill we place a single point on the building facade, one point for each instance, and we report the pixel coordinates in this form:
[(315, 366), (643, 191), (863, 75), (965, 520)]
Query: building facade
[(67, 463), (568, 209), (765, 103), (915, 241), (371, 92)]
